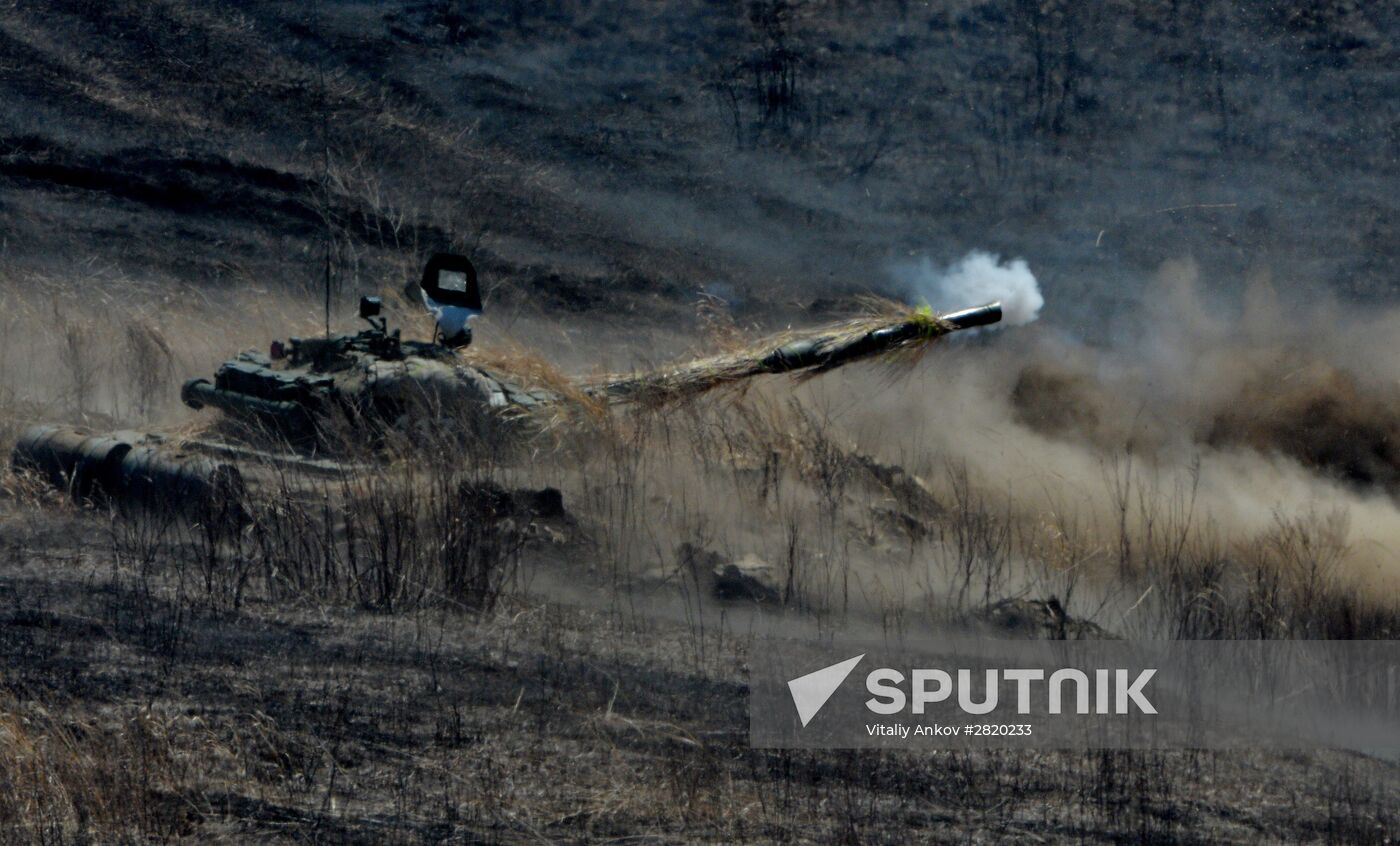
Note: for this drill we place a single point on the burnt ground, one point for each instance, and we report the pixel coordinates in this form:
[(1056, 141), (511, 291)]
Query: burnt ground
[(605, 164), (599, 157), (161, 717)]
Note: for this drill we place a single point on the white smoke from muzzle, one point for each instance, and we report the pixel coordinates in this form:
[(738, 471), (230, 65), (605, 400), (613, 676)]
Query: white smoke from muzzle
[(977, 278)]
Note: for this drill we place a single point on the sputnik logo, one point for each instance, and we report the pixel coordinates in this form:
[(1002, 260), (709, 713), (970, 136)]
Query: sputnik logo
[(810, 692)]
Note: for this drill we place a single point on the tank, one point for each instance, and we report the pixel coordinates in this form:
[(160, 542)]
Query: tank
[(322, 394), (329, 396)]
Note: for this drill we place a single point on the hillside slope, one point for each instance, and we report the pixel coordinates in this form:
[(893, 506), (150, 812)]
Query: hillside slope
[(606, 155)]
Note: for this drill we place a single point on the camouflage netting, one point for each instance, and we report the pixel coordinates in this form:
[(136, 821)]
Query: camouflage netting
[(895, 333)]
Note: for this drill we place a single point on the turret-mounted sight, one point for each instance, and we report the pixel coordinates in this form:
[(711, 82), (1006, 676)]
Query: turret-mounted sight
[(369, 309)]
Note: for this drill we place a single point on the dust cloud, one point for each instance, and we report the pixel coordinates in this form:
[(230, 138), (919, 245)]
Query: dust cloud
[(1230, 417)]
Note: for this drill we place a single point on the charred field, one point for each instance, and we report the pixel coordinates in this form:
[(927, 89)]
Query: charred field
[(1186, 428)]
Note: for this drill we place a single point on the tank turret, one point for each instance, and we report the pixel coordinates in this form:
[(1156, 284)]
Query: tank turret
[(311, 390)]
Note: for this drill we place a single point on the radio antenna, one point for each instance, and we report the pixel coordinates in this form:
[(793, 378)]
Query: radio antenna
[(325, 166)]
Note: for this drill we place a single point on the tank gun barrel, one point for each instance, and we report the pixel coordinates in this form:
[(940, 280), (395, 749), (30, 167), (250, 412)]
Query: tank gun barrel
[(827, 351), (968, 318), (812, 352)]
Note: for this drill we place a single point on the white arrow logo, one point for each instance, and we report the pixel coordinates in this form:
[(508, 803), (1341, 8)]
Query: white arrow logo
[(810, 692)]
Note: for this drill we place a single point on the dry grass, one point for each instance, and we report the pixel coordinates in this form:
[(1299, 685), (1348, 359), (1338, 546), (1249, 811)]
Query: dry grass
[(528, 368), (70, 779), (831, 346), (111, 352), (749, 473), (374, 658), (379, 655), (387, 656), (549, 721)]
